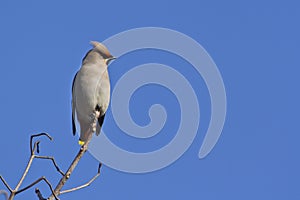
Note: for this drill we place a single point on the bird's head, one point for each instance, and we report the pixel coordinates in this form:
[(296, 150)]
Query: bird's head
[(103, 51)]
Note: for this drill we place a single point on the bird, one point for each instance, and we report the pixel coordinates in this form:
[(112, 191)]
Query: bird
[(91, 91)]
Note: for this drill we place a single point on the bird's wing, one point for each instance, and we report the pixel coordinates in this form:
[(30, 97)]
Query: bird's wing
[(104, 88), (100, 119), (73, 106)]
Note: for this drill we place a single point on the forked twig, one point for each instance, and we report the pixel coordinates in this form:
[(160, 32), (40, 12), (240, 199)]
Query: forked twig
[(36, 182), (53, 161), (85, 185), (39, 194), (6, 184), (34, 147), (38, 135), (83, 149)]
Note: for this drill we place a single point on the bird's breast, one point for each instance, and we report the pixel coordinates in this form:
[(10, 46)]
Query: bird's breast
[(92, 88)]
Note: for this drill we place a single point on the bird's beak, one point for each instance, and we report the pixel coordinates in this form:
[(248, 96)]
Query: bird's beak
[(108, 60)]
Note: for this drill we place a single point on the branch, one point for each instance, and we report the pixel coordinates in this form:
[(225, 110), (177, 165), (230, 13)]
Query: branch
[(33, 147), (77, 158), (57, 191), (39, 194), (13, 193), (53, 161), (85, 185), (32, 150), (6, 184), (37, 181), (64, 179), (4, 193)]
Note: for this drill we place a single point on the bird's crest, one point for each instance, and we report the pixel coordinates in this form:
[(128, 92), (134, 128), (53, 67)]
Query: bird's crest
[(101, 48)]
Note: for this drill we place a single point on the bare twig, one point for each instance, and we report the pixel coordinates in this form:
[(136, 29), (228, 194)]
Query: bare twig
[(33, 147), (77, 158), (85, 185), (4, 193), (6, 184), (53, 161), (37, 181), (74, 163), (32, 150), (39, 194), (38, 135), (13, 193)]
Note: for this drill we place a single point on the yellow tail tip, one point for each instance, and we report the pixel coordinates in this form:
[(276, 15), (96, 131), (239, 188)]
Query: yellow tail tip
[(81, 143)]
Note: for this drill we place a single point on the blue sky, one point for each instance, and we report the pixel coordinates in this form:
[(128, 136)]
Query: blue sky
[(255, 46)]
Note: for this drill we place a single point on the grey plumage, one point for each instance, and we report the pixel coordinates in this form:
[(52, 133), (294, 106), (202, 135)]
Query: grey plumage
[(91, 90)]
